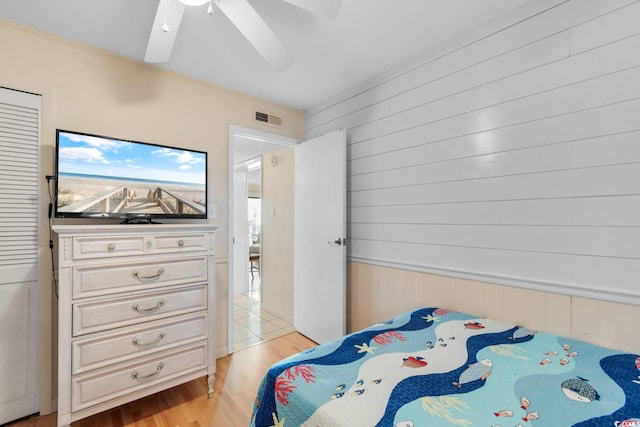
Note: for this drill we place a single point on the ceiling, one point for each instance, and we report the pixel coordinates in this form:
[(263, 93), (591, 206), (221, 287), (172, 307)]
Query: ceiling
[(367, 38)]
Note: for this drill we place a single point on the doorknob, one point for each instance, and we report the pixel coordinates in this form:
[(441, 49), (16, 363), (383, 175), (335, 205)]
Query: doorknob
[(338, 242)]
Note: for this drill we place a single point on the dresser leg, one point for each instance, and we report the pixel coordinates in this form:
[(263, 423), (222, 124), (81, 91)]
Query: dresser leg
[(211, 380)]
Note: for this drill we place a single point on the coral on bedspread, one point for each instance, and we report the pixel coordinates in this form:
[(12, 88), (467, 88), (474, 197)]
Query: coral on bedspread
[(434, 367)]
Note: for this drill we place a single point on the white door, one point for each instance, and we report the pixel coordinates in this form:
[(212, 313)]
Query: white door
[(19, 293), (18, 344), (319, 301)]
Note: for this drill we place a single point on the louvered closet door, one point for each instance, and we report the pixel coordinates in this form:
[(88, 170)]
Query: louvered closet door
[(19, 178)]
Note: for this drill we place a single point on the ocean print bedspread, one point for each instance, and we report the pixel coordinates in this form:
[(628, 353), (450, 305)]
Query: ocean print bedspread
[(433, 367)]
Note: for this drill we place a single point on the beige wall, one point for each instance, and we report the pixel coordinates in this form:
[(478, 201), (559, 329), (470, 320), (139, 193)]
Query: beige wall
[(277, 232), (377, 293), (88, 90)]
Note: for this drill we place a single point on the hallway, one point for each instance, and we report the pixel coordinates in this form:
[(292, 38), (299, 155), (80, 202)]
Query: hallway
[(253, 324)]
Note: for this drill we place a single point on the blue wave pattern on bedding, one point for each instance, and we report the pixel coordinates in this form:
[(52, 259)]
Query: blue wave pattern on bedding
[(434, 367)]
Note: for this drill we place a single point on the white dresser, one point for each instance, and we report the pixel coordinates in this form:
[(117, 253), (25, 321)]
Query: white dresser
[(135, 312)]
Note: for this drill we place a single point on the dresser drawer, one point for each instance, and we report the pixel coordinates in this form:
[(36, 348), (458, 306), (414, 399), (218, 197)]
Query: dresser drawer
[(101, 385), (99, 280), (153, 337), (109, 246), (96, 316), (181, 243), (98, 247)]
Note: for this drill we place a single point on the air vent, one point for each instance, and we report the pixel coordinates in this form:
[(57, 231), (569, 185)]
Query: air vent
[(268, 119)]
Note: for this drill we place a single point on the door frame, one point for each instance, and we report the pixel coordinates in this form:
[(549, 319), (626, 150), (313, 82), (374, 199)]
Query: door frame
[(265, 142)]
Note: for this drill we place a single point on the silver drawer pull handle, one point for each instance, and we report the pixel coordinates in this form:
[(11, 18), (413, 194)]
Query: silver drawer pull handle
[(181, 243), (139, 343), (111, 246), (139, 276), (137, 308), (135, 375)]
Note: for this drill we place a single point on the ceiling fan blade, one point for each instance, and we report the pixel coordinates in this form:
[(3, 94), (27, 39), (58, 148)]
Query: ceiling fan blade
[(253, 27), (160, 42), (327, 8)]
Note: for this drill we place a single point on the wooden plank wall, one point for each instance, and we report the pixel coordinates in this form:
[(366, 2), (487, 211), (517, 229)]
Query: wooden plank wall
[(510, 157)]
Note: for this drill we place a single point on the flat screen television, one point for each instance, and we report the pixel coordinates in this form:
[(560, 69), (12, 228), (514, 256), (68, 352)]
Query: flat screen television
[(103, 177)]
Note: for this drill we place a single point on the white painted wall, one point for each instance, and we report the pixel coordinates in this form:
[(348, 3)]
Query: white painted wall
[(510, 157)]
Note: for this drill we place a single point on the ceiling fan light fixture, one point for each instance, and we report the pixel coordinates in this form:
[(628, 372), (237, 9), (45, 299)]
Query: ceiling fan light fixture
[(242, 15), (194, 2)]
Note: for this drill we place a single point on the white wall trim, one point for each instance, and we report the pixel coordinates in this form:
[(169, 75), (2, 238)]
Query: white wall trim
[(611, 294), (260, 136)]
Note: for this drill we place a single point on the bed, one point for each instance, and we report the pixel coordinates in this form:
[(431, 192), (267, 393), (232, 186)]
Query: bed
[(434, 367)]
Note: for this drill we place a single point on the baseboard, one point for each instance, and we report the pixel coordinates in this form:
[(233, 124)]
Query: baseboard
[(222, 352), (278, 313)]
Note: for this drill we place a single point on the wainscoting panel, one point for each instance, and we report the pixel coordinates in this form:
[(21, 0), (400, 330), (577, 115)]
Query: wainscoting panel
[(379, 293)]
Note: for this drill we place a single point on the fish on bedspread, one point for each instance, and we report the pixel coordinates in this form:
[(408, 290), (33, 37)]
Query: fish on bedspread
[(428, 367)]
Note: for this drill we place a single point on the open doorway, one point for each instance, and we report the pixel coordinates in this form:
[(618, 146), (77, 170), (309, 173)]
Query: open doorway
[(261, 260), (247, 220), (254, 232)]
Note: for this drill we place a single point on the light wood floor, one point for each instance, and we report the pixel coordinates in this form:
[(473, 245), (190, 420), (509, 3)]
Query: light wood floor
[(237, 380)]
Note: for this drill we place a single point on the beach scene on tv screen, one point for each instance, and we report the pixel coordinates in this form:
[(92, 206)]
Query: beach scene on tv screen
[(102, 176)]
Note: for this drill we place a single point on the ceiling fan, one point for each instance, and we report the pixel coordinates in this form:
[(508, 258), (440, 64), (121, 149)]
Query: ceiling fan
[(242, 15)]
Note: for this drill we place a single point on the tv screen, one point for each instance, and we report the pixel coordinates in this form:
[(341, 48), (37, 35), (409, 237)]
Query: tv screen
[(102, 177)]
